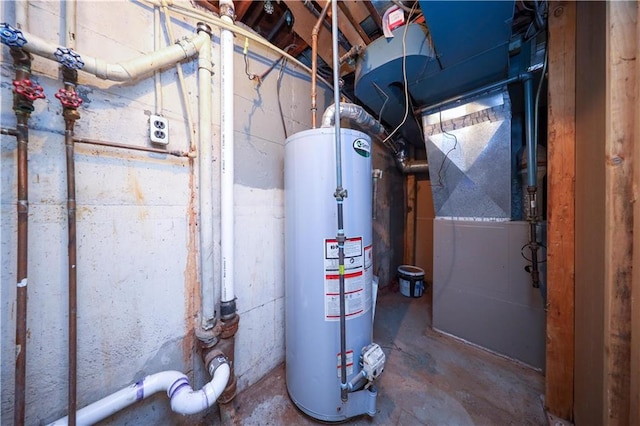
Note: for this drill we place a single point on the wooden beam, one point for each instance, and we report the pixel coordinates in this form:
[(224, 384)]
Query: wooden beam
[(620, 118), (357, 9), (410, 214), (373, 12), (347, 28), (241, 8), (208, 4), (635, 291), (303, 24), (561, 210), (409, 254), (344, 8)]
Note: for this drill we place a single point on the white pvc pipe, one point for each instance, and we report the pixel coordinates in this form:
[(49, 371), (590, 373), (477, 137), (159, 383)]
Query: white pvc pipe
[(22, 15), (156, 46), (124, 71), (70, 23), (227, 171), (205, 165), (184, 400), (185, 9)]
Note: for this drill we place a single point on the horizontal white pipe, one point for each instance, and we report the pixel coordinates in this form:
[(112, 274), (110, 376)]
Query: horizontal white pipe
[(187, 11), (184, 400), (124, 71)]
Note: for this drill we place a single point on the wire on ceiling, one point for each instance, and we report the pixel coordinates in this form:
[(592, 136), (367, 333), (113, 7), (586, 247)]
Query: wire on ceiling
[(404, 76)]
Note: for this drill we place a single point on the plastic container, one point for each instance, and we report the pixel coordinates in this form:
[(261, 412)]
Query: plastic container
[(411, 280)]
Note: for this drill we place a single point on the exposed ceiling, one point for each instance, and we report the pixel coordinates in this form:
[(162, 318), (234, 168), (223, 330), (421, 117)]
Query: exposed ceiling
[(289, 22), (464, 34)]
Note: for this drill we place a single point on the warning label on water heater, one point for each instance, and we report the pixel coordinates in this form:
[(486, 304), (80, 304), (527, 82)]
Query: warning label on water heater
[(357, 299)]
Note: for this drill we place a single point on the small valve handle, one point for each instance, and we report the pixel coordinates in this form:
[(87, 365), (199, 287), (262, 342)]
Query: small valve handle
[(28, 89), (10, 36), (69, 98), (68, 58)]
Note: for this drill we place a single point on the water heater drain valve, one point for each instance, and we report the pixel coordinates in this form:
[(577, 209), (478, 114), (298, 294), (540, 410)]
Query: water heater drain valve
[(373, 360)]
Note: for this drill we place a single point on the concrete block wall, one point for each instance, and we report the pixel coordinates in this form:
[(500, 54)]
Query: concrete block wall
[(137, 228), (137, 218)]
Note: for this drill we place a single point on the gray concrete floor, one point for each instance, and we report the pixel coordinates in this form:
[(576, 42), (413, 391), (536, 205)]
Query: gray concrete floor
[(429, 379)]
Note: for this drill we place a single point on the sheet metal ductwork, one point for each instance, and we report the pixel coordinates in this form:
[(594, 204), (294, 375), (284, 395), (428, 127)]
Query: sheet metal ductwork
[(466, 46)]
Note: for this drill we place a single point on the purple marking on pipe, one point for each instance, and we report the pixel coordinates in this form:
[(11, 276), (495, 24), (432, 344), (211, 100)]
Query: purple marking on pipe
[(177, 385), (140, 390)]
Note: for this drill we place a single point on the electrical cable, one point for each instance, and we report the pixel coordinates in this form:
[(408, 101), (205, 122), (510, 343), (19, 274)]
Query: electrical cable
[(273, 65), (245, 54), (404, 77), (278, 84), (537, 102), (440, 183)]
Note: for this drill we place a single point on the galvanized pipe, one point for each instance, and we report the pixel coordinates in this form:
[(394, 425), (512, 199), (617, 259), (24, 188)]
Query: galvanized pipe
[(205, 176), (339, 195), (314, 62), (134, 147), (8, 132)]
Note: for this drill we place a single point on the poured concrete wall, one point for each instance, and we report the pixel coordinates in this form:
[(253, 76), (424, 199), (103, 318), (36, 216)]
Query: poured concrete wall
[(137, 219)]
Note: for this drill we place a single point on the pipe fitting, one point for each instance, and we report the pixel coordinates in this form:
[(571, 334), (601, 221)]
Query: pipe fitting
[(228, 311), (10, 36), (69, 98), (68, 58), (29, 90), (227, 9), (355, 113), (202, 27), (216, 362), (230, 327), (208, 338), (406, 166)]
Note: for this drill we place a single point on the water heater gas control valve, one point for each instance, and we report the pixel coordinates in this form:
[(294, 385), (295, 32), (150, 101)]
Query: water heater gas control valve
[(373, 360)]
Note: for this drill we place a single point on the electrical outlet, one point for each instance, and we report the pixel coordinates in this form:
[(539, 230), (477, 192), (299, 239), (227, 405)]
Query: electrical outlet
[(159, 129)]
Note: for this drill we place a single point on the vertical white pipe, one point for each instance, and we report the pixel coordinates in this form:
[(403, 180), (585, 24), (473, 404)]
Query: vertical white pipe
[(70, 23), (22, 15), (205, 184), (156, 46), (227, 171)]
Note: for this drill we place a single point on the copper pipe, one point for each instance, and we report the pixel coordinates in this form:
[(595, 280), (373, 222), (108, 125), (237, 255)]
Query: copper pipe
[(70, 114), (189, 154), (314, 63), (23, 106)]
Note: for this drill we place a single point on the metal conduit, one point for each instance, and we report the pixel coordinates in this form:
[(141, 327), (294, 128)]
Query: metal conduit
[(339, 195), (314, 63)]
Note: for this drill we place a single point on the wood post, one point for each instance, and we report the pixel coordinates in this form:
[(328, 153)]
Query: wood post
[(635, 291), (621, 107), (561, 210)]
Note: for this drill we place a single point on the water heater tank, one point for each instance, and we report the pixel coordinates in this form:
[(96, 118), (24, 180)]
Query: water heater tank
[(312, 286)]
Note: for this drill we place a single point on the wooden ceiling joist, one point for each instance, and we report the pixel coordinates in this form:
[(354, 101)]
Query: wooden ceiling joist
[(303, 24)]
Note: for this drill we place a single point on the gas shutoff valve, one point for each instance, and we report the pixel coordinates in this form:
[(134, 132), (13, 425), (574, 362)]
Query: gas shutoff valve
[(373, 360)]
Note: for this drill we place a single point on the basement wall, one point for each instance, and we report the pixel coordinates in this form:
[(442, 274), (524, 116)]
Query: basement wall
[(138, 291)]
